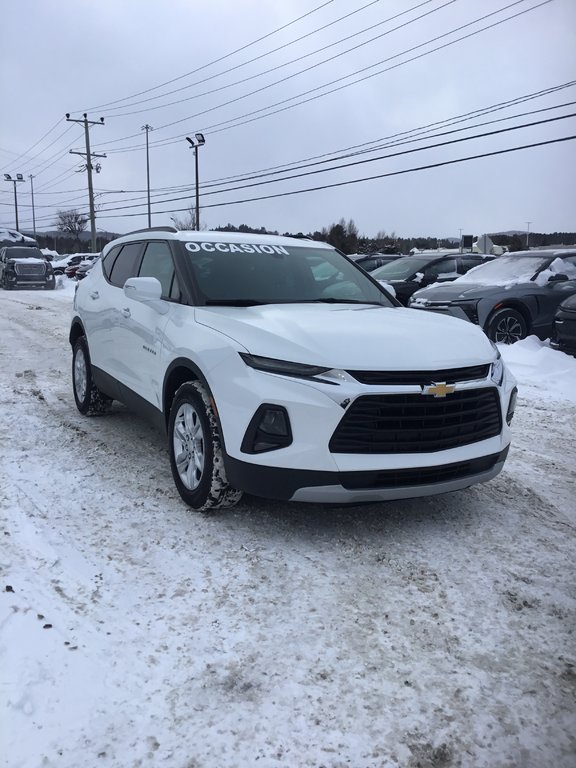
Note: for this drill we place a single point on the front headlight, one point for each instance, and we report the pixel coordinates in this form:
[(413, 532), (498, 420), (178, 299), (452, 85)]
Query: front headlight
[(282, 367), (497, 374)]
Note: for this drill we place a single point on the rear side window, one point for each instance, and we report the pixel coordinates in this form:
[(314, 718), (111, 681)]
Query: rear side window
[(442, 267), (469, 262), (125, 264), (157, 262), (107, 261)]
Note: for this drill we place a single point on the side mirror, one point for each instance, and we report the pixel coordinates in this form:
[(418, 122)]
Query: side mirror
[(146, 290)]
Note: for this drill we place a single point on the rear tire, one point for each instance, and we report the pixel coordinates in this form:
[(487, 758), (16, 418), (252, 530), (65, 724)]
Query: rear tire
[(507, 326), (196, 454), (89, 400)]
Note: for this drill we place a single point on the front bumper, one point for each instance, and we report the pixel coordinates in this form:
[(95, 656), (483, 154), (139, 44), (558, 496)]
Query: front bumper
[(564, 337), (307, 470), (361, 486), (29, 281)]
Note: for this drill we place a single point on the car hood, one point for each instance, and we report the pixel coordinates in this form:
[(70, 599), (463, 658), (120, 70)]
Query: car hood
[(29, 260), (457, 290), (360, 337)]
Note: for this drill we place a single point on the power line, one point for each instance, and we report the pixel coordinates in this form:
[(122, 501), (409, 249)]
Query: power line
[(364, 161), (292, 61), (245, 177), (397, 142), (366, 178), (210, 184), (48, 132), (214, 61), (363, 147), (223, 126), (218, 127)]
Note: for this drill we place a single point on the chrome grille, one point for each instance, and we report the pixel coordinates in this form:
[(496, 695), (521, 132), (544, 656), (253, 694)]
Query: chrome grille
[(30, 270)]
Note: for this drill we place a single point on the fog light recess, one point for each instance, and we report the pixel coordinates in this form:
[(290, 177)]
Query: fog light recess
[(511, 406), (269, 430)]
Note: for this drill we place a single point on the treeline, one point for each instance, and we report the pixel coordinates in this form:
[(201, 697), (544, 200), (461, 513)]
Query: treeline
[(344, 235), (517, 241)]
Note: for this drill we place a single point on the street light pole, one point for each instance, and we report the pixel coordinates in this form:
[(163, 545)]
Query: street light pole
[(528, 234), (15, 181), (200, 140), (33, 212), (148, 128)]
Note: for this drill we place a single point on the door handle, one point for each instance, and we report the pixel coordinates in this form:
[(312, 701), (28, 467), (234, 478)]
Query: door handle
[(126, 312), (94, 295)]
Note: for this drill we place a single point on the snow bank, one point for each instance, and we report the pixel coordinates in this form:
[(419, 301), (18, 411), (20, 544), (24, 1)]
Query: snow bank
[(545, 371)]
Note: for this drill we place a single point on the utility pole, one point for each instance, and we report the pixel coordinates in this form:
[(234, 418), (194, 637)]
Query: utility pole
[(33, 212), (148, 128), (15, 181), (89, 169), (200, 140), (528, 234), (460, 230)]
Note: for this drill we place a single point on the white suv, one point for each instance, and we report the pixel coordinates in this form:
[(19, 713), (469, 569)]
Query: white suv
[(279, 368)]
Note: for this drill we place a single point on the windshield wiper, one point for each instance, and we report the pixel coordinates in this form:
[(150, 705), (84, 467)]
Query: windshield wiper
[(332, 300), (234, 303)]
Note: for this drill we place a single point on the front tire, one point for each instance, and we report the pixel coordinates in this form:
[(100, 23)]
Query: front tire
[(89, 400), (196, 454), (507, 326)]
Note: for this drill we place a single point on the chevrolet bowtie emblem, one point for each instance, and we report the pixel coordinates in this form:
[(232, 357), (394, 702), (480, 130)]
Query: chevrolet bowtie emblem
[(438, 390)]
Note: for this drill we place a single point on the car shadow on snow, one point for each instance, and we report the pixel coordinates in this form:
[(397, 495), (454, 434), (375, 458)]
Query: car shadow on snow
[(457, 510)]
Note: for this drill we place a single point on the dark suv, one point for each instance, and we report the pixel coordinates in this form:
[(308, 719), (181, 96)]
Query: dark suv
[(25, 267), (408, 274)]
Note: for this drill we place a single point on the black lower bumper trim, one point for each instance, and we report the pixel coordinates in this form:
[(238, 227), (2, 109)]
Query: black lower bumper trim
[(282, 483)]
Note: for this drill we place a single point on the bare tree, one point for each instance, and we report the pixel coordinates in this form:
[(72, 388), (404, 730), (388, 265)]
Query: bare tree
[(188, 220), (72, 222)]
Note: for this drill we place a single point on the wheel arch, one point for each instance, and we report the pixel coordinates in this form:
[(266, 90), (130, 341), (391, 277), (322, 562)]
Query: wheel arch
[(76, 330), (179, 371), (517, 306)]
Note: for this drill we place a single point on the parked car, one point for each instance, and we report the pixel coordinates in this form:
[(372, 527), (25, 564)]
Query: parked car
[(25, 267), (564, 335), (409, 273), (84, 267), (85, 260), (276, 376), (59, 265), (372, 261), (511, 297)]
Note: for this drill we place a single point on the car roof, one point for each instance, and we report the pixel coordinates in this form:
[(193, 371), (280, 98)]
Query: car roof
[(186, 236), (543, 253)]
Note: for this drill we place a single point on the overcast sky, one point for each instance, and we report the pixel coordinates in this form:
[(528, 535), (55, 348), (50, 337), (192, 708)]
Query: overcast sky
[(74, 56)]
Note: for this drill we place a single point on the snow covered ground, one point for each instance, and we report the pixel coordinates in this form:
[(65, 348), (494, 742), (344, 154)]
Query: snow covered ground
[(431, 633)]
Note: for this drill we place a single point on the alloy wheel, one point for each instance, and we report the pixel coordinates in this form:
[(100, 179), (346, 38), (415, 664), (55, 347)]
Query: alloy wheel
[(188, 440)]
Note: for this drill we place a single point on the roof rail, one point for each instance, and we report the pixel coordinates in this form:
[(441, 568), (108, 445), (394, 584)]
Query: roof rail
[(153, 229)]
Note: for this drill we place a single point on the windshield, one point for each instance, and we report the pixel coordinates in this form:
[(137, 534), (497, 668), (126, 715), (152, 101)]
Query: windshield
[(24, 253), (244, 274), (402, 269), (505, 269)]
